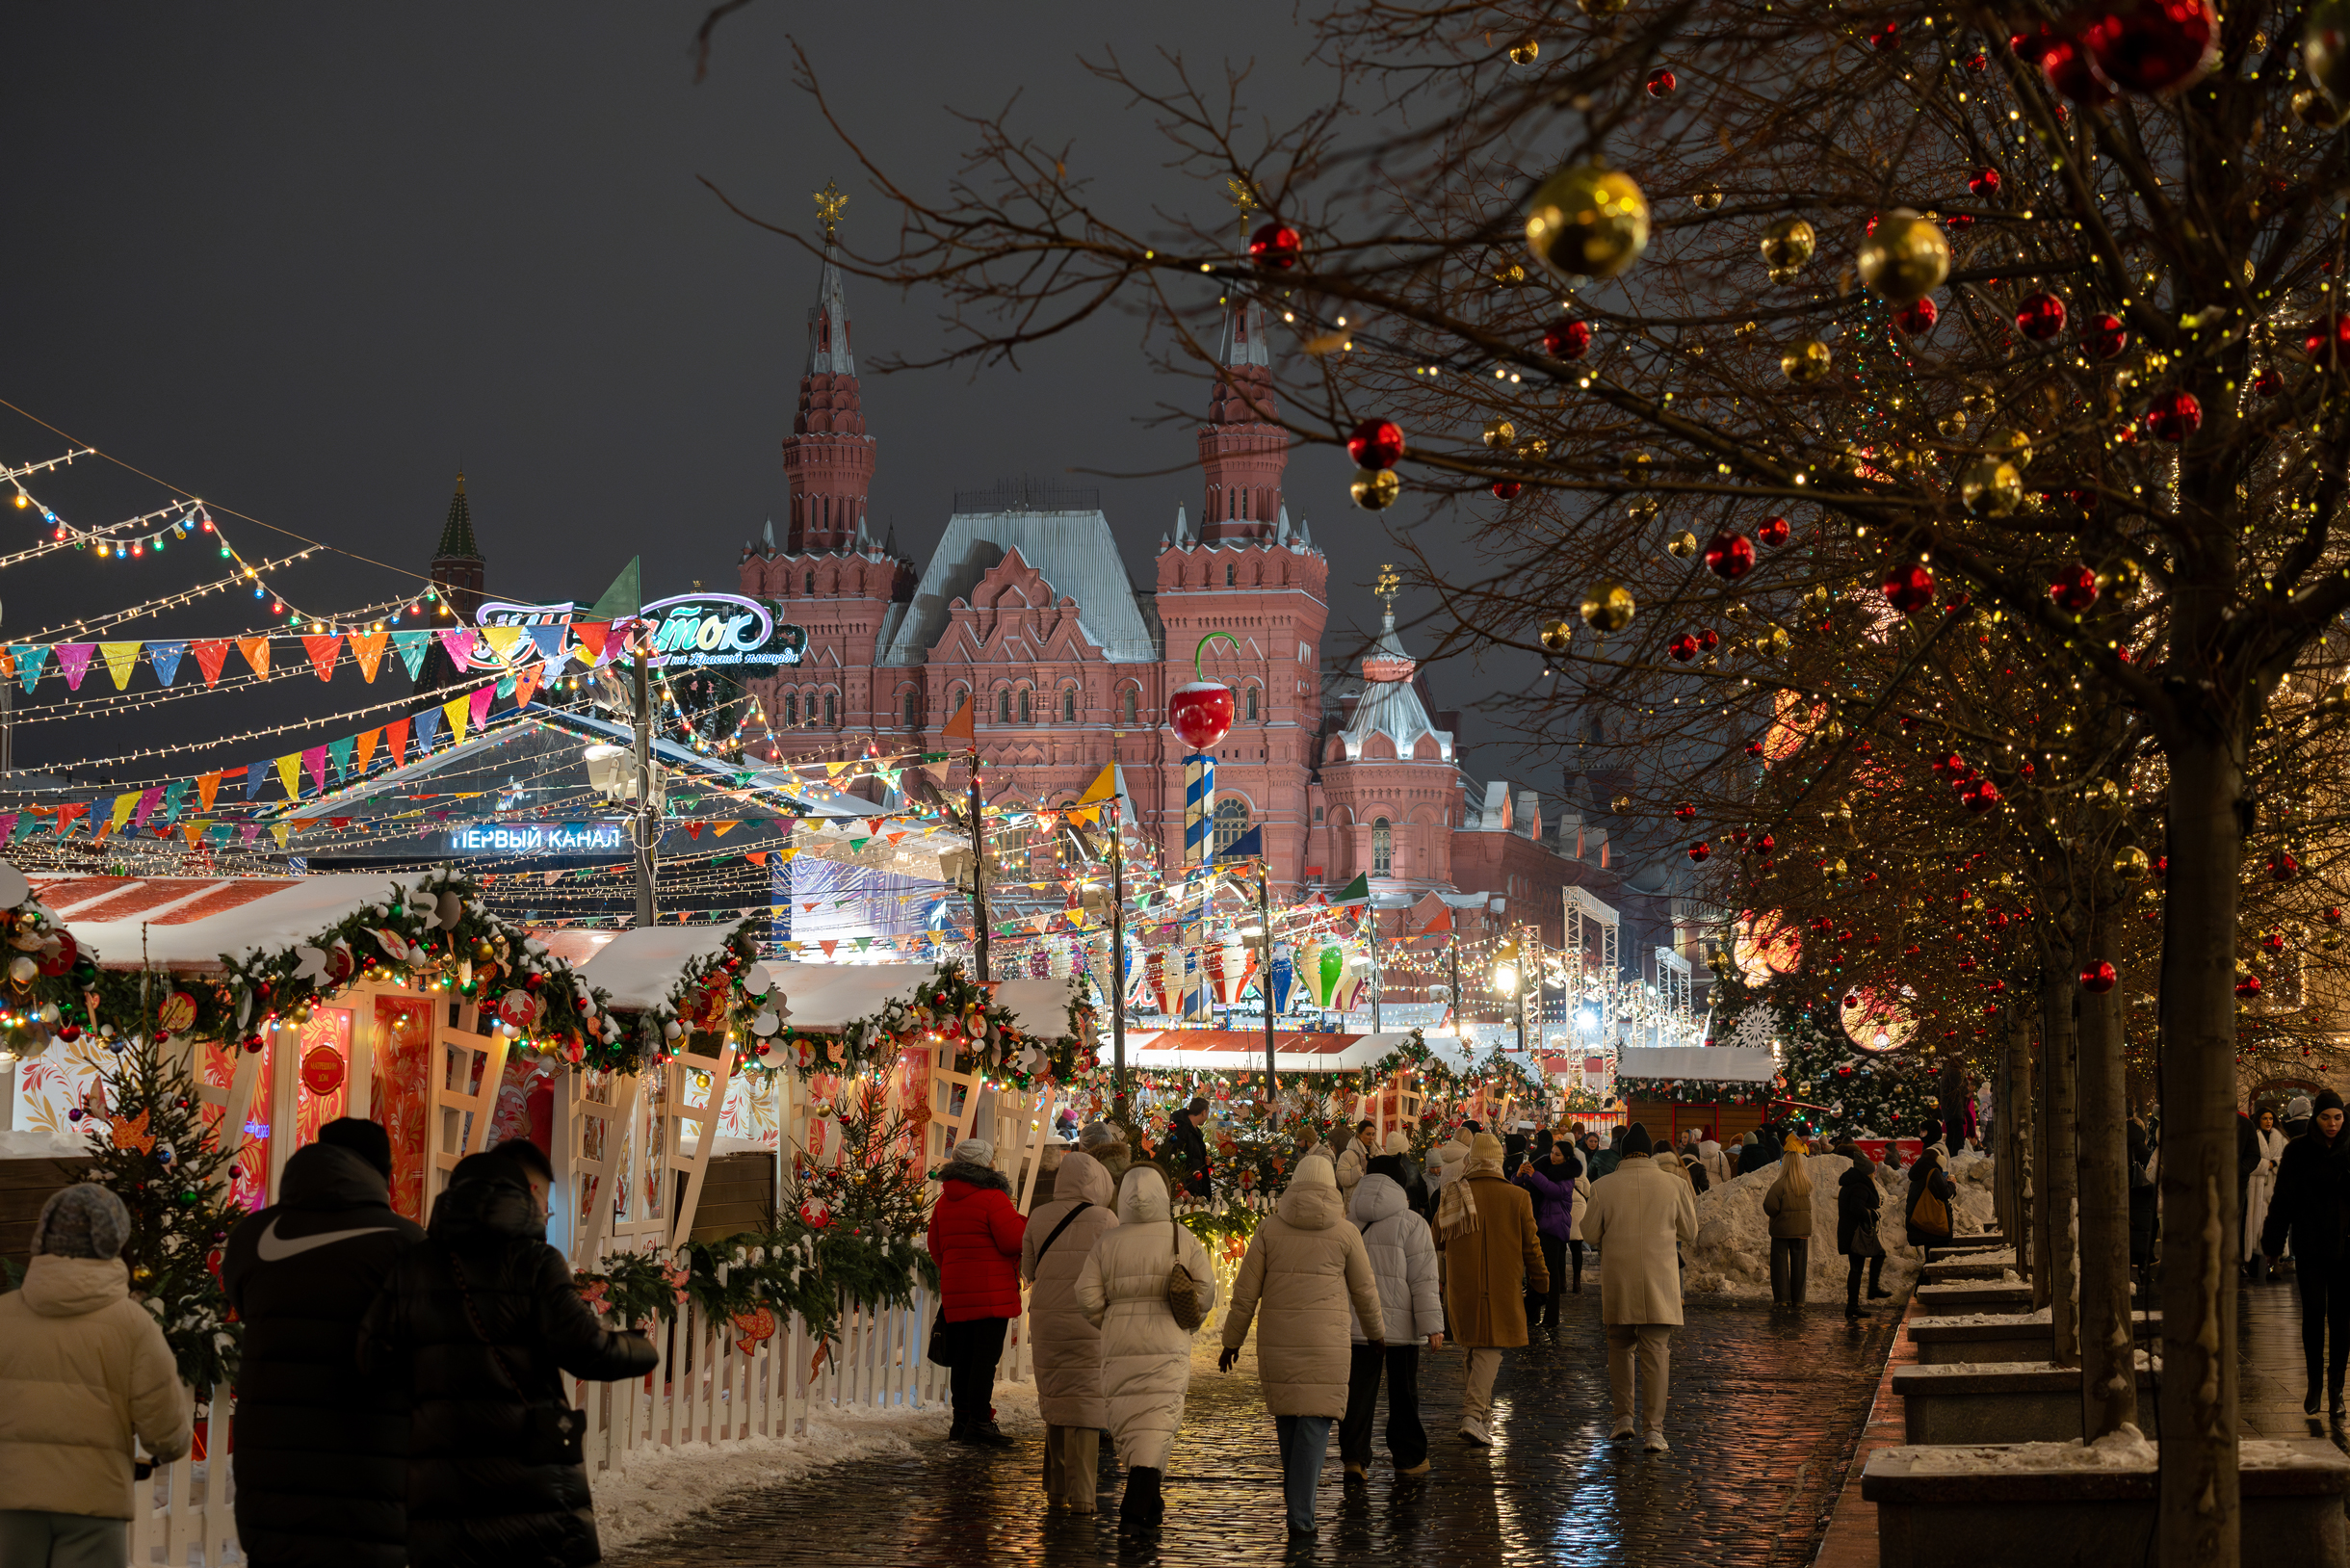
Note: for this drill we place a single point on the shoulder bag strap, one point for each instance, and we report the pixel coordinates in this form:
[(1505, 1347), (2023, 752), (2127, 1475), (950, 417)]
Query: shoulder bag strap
[(1082, 1204), (473, 1320)]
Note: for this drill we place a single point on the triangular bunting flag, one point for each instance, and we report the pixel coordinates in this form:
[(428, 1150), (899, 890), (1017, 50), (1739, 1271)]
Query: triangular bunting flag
[(501, 640), (428, 728), (1355, 894), (148, 801), (193, 829), (411, 647), (165, 657), (324, 650), (289, 773), (548, 638), (959, 727), (592, 635), (526, 684), (124, 804), (368, 650), (396, 741), (338, 754), (207, 787), (721, 829), (122, 657), (256, 775), (281, 832), (367, 749), (479, 702), (455, 709), (211, 655), (256, 651), (458, 641), (28, 659), (73, 659), (314, 762)]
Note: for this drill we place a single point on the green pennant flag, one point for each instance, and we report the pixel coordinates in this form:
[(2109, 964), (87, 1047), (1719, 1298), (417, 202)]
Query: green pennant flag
[(338, 753), (625, 598), (1354, 895)]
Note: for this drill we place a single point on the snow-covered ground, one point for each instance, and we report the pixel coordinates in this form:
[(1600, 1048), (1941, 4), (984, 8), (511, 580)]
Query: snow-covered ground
[(1732, 1256), (660, 1489)]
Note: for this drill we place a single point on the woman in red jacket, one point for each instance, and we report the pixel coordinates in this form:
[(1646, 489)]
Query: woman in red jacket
[(975, 1238)]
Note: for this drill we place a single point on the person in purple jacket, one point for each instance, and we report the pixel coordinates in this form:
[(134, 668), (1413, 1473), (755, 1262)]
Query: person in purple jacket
[(1550, 1182)]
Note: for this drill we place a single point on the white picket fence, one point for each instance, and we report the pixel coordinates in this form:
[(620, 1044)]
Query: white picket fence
[(706, 1392)]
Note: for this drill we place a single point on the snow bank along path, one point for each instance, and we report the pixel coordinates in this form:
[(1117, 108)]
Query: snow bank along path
[(1732, 1256)]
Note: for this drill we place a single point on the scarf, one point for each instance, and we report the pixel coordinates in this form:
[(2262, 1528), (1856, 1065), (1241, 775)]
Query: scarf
[(1456, 1206)]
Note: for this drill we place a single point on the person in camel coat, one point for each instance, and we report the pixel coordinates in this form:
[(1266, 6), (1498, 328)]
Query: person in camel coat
[(1306, 1267), (1492, 1260), (1640, 1216), (1065, 1344), (1146, 1354)]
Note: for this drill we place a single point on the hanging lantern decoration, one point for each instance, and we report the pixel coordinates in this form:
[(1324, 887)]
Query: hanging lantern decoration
[(1587, 221), (1201, 710), (1284, 976), (1875, 1021), (1230, 966)]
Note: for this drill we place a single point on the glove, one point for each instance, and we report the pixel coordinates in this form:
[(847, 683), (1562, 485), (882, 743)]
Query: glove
[(1229, 1359)]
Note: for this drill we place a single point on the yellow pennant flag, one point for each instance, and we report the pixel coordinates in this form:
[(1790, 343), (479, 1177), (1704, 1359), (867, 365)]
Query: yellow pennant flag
[(786, 855), (281, 832), (195, 828), (125, 805), (455, 712), (502, 638), (1102, 788), (289, 772), (122, 657)]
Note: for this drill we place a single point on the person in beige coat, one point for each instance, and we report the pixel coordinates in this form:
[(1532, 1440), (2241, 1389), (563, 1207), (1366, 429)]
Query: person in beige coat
[(1065, 1344), (1639, 1218), (1492, 1259), (1306, 1267), (1146, 1355), (84, 1370), (1789, 1206)]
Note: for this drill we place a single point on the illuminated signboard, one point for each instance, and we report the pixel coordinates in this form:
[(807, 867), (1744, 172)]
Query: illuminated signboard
[(714, 630), (539, 838)]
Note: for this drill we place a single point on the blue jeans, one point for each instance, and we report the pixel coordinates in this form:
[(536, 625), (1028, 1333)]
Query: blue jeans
[(1305, 1441)]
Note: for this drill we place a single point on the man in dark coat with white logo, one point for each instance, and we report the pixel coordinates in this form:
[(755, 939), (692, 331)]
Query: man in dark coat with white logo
[(321, 1452)]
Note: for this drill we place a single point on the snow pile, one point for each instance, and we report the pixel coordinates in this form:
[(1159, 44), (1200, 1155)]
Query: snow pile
[(663, 1488), (38, 1145), (1732, 1256), (2125, 1450)]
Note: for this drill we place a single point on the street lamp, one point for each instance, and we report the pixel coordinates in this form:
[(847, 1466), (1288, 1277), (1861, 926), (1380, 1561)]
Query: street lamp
[(1506, 981)]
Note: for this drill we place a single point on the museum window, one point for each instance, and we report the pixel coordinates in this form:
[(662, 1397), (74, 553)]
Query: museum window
[(810, 584), (1024, 705), (1230, 822), (1317, 816), (1130, 702), (1231, 574), (1004, 707), (956, 700), (913, 710), (1382, 847), (1068, 704), (791, 710), (1252, 704), (830, 718)]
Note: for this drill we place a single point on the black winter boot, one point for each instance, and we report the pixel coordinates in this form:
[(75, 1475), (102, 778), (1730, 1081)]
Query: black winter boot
[(1877, 1272), (1142, 1506)]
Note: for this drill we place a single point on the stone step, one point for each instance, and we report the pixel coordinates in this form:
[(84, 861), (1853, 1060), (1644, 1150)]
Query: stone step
[(2015, 1337), (1993, 1402), (1963, 1297)]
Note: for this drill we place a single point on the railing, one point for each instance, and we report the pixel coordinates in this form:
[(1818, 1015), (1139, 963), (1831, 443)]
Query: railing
[(706, 1391)]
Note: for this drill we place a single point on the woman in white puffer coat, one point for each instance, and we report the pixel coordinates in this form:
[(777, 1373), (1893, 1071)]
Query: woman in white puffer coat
[(1067, 1347), (1146, 1355)]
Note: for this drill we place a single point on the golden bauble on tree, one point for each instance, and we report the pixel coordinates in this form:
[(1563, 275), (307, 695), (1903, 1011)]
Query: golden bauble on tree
[(2131, 864), (1557, 635), (1906, 259), (1787, 248), (2121, 580), (1526, 52), (1375, 489), (2325, 48), (1607, 607), (2316, 110), (1991, 487), (1499, 434), (1707, 200), (1683, 544), (1587, 221), (1806, 363), (2013, 445), (1642, 509)]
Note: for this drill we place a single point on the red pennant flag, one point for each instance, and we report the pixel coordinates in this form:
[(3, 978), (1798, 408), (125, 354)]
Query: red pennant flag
[(395, 740), (210, 656), (694, 830), (324, 650), (593, 636), (757, 857)]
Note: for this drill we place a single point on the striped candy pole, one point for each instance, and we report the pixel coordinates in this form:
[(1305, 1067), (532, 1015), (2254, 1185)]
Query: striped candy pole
[(1198, 846)]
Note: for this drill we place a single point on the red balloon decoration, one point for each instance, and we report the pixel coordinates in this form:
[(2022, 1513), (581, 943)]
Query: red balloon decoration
[(1274, 246), (1916, 318), (2104, 335), (2040, 317), (1730, 555), (1567, 338), (2153, 45), (2098, 976), (1662, 82), (2174, 416), (1201, 710), (1375, 444), (2074, 588), (1910, 589), (1775, 531)]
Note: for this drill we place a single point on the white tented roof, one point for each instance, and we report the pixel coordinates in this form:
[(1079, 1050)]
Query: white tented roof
[(1735, 1063), (827, 997), (1225, 1050), (641, 969), (186, 924)]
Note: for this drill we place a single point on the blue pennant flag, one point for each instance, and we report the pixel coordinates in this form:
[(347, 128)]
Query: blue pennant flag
[(165, 657), (1249, 846), (428, 725), (255, 776)]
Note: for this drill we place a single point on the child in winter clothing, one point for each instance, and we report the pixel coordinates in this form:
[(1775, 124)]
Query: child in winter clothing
[(1403, 1265)]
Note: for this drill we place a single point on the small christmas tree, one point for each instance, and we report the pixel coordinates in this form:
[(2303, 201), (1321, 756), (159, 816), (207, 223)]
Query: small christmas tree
[(1842, 1091), (869, 1211), (145, 1121)]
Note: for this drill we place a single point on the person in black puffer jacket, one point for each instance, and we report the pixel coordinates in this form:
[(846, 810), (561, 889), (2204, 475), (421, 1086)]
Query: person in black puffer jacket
[(479, 1322), (322, 1453), (2312, 1206), (1857, 1206)]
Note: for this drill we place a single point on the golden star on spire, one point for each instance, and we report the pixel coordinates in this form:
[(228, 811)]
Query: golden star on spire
[(829, 205)]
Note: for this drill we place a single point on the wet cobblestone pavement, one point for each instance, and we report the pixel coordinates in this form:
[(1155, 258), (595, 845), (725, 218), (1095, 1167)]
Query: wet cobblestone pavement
[(1765, 1409)]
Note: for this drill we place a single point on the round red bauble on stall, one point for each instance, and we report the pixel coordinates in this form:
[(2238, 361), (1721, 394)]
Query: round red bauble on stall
[(2074, 588), (1662, 82), (1730, 555), (2153, 46), (1775, 531), (1909, 588), (1506, 488), (1274, 246), (2098, 976), (1916, 318), (1375, 444), (2174, 416), (2040, 317), (1567, 338), (2104, 335)]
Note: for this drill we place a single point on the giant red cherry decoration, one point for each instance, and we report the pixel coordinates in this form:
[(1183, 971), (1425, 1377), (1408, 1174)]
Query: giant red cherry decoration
[(1201, 710)]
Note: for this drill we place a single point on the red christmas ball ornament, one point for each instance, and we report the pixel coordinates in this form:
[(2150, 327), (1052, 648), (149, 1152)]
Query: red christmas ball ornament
[(2174, 416), (2268, 383), (2273, 941), (2065, 64), (1754, 749), (1274, 246), (2153, 46), (2074, 588), (1567, 338), (2333, 915), (2283, 867), (2327, 341), (1730, 555), (1506, 488), (1775, 531), (1916, 318), (1766, 844), (61, 959), (2248, 987), (1699, 850), (815, 1215), (1909, 588), (2040, 317), (1683, 649), (1985, 795), (1709, 639), (1984, 182), (1887, 39), (2104, 335), (1375, 444), (1662, 82)]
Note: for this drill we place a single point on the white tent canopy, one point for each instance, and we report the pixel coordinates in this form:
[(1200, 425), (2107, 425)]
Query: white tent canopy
[(1327, 1053), (1733, 1063), (641, 969), (186, 924), (829, 997)]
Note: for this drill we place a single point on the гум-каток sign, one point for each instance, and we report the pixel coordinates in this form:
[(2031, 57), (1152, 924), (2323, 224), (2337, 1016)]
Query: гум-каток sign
[(539, 838), (717, 630)]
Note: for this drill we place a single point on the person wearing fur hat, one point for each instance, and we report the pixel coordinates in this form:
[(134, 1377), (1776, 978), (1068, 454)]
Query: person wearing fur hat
[(976, 1237), (1492, 1260), (2312, 1204), (1109, 1148), (1641, 1215), (83, 1371)]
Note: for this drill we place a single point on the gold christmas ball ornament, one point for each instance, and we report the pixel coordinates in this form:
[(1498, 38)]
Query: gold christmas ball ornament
[(1991, 487), (1601, 7), (2013, 445), (1787, 248), (1609, 607), (1376, 489), (1557, 635), (1642, 509), (2131, 864), (2314, 110), (2325, 48), (1526, 52), (1500, 433), (1587, 221), (1806, 363), (1620, 804), (1707, 200), (1683, 544), (1952, 424), (1906, 259), (2333, 699), (2121, 580)]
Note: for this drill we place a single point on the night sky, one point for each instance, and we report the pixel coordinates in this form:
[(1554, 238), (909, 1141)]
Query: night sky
[(306, 261)]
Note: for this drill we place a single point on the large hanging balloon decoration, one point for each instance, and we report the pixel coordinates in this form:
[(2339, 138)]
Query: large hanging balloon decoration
[(1875, 1021), (1765, 945)]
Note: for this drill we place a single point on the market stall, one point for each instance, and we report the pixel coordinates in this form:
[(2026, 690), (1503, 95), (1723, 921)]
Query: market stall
[(1725, 1090)]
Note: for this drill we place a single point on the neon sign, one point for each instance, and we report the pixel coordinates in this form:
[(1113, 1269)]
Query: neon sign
[(539, 838), (714, 630)]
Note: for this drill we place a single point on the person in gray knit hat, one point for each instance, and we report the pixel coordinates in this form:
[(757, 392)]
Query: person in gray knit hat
[(1109, 1148), (84, 1370)]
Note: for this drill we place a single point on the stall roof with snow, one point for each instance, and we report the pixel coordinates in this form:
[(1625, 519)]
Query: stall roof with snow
[(1294, 1051), (189, 923), (827, 998)]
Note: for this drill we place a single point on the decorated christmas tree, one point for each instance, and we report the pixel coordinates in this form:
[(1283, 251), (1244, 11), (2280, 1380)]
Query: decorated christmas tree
[(1840, 1090), (145, 1121)]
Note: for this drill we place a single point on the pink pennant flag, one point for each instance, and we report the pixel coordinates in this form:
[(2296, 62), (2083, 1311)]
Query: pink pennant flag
[(314, 762), (250, 831), (458, 640), (148, 801), (480, 704), (73, 658)]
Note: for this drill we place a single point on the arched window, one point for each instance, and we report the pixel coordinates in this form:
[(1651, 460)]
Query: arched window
[(1068, 704), (810, 583), (1004, 707), (1129, 704), (956, 700), (791, 710), (1231, 574), (913, 709), (1230, 822), (1024, 705), (1252, 704), (1382, 847), (830, 719)]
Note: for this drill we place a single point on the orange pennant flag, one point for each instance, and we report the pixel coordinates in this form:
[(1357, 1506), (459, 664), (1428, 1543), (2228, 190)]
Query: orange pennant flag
[(757, 857), (324, 650), (959, 727), (368, 649), (207, 785), (256, 651), (367, 743)]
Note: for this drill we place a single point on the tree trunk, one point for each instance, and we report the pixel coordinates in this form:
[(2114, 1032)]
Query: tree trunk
[(1951, 1091), (2108, 1364), (2033, 1138), (2060, 1172), (2199, 1518), (2016, 1153)]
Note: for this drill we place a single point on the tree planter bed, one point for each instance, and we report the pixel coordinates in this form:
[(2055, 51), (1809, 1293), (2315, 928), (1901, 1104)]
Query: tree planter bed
[(2063, 1503), (1943, 1341), (1987, 1266), (1960, 1246), (1995, 1402)]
